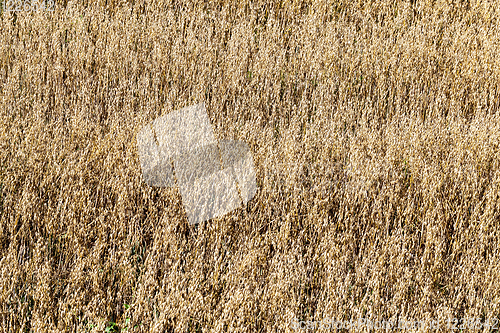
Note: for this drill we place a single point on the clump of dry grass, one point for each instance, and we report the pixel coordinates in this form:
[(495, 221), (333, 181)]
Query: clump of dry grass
[(374, 129)]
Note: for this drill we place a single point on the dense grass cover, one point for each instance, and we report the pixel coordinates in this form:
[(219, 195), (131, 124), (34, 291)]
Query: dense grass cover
[(374, 128)]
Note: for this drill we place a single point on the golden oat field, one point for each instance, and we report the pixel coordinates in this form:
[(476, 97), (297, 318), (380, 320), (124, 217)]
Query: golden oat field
[(374, 128)]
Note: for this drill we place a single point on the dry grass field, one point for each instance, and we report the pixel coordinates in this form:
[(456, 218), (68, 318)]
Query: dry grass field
[(374, 128)]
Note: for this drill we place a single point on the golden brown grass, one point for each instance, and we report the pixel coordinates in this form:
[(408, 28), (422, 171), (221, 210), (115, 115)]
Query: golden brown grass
[(374, 128)]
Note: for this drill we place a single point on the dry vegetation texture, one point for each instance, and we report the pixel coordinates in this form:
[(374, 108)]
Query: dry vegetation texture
[(374, 128)]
